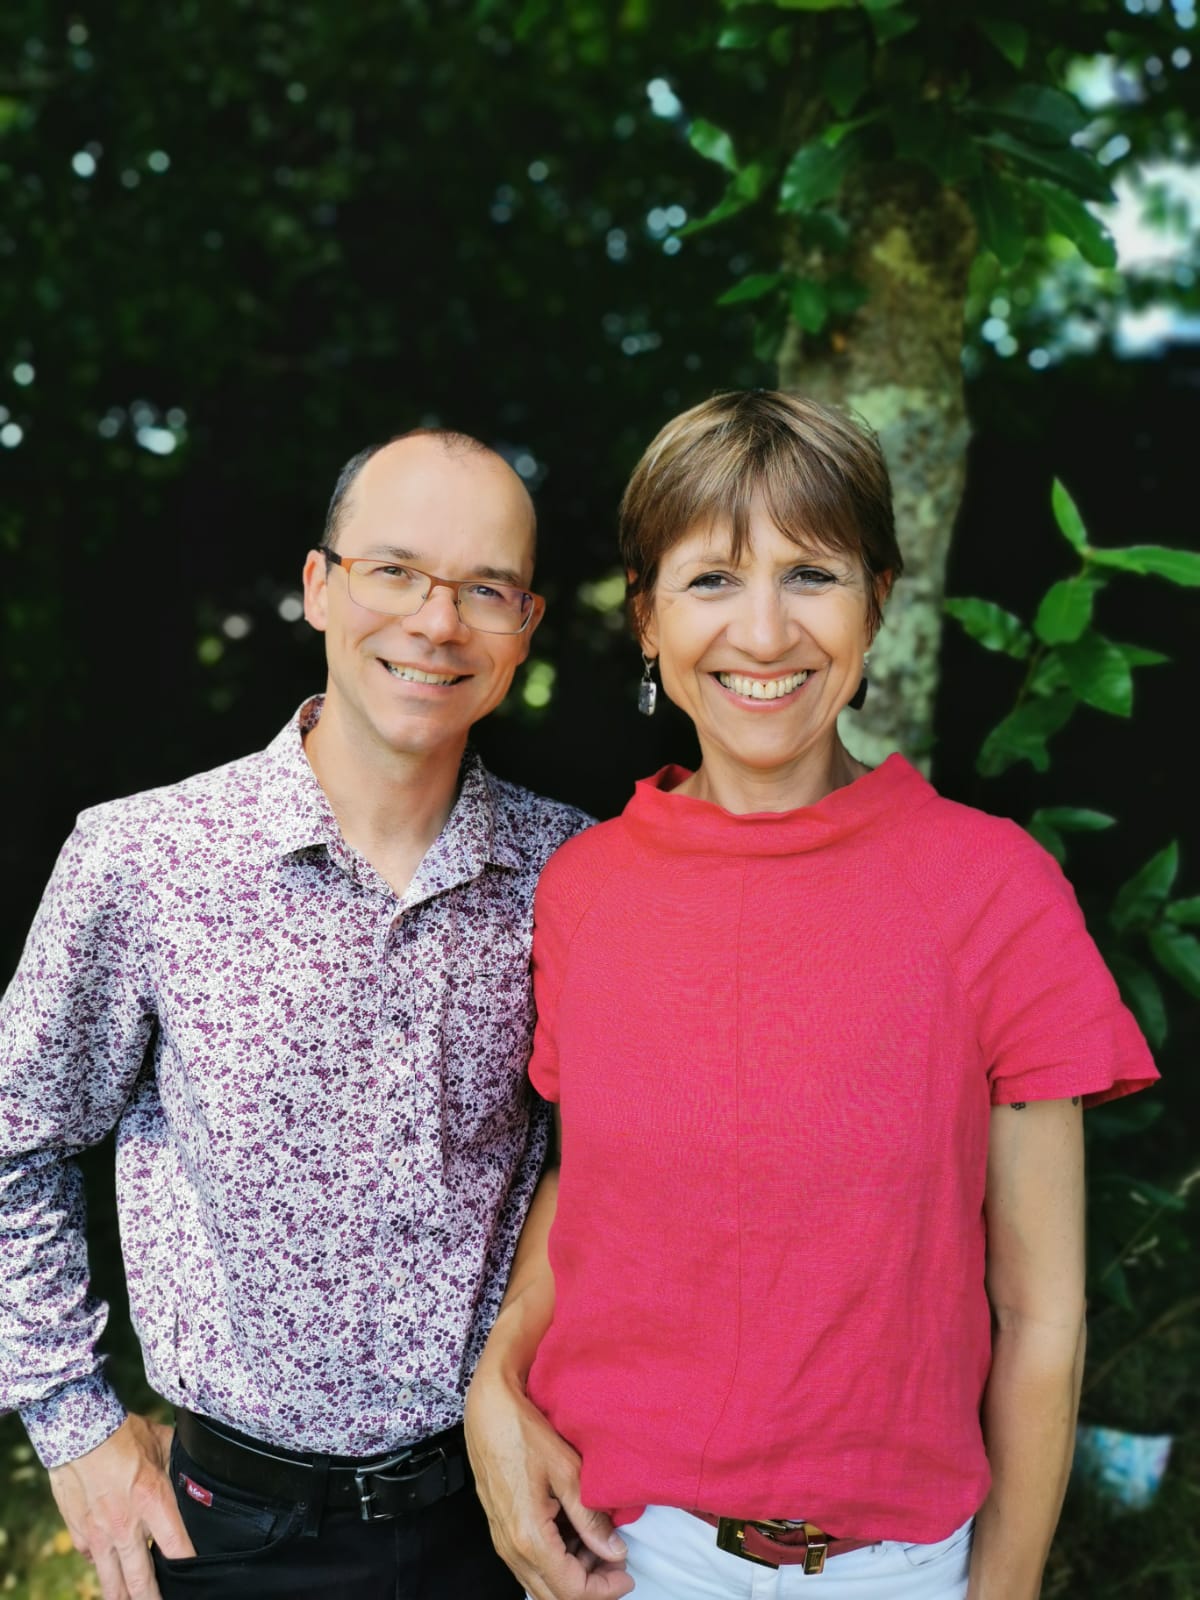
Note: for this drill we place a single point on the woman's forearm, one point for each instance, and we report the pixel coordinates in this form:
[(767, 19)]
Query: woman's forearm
[(528, 1304), (1029, 1428)]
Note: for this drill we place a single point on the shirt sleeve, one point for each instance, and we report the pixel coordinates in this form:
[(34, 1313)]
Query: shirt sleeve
[(74, 1026), (1051, 1020)]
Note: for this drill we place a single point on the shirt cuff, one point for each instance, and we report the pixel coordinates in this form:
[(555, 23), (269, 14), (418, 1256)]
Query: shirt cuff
[(73, 1420)]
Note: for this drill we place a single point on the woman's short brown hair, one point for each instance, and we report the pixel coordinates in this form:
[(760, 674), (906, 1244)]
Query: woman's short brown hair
[(821, 474)]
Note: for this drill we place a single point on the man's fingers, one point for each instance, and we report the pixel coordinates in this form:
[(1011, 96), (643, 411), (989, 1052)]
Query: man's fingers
[(165, 1526), (593, 1527), (137, 1569), (112, 1580)]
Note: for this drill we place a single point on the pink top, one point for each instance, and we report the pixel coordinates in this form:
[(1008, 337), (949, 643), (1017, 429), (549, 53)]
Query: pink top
[(776, 1040)]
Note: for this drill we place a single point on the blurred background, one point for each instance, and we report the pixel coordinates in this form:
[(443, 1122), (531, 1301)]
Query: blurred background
[(239, 240)]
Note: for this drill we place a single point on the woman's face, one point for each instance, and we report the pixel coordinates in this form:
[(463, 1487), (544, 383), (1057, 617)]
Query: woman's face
[(763, 653)]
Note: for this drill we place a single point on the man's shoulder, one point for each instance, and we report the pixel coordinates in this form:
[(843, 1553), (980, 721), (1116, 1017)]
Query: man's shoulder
[(200, 802), (533, 824)]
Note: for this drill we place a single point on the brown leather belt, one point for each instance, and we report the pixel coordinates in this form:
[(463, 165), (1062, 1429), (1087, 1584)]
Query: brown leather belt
[(779, 1544), (378, 1487)]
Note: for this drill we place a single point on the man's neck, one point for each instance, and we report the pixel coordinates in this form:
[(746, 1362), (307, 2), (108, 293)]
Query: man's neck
[(389, 806)]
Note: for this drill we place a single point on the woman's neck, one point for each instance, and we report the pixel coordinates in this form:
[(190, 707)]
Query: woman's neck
[(802, 782)]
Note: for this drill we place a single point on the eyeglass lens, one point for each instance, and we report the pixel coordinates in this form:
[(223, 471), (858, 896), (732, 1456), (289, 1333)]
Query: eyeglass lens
[(490, 607)]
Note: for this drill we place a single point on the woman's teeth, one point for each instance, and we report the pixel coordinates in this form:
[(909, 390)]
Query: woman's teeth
[(411, 675), (761, 688)]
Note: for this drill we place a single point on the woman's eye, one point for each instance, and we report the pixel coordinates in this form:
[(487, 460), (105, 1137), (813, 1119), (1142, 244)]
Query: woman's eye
[(811, 577), (709, 581)]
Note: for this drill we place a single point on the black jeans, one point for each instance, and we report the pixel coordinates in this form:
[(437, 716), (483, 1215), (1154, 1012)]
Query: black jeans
[(257, 1549)]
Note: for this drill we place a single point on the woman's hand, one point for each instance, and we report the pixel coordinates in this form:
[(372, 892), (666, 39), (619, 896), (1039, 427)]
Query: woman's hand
[(528, 1481)]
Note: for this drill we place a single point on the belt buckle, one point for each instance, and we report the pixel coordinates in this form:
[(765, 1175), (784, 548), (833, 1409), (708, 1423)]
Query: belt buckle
[(383, 1470), (731, 1537)]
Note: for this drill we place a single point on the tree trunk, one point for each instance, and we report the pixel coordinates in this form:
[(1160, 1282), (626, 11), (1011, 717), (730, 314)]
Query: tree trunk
[(898, 364)]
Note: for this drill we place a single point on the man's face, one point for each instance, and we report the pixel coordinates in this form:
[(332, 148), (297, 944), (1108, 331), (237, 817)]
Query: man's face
[(456, 515)]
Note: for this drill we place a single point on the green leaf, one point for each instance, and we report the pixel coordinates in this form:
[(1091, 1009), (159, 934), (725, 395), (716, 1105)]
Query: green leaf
[(1178, 954), (814, 173), (844, 75), (1022, 735), (1099, 673), (804, 5), (1066, 214), (1076, 819), (810, 305), (826, 231), (1010, 38), (754, 287), (1138, 656), (991, 626), (1164, 1199), (1160, 561), (1186, 912), (889, 24), (845, 294), (1001, 226), (1048, 837), (741, 36), (713, 143), (1032, 111), (1066, 514), (743, 191), (1065, 611), (1074, 169), (933, 135), (769, 330), (1143, 896), (1142, 993)]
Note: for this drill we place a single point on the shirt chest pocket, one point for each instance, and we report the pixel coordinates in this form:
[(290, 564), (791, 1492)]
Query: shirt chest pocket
[(487, 1030)]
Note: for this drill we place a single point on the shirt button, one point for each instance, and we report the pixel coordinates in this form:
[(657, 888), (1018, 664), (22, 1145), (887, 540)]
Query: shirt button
[(395, 1161), (406, 1391)]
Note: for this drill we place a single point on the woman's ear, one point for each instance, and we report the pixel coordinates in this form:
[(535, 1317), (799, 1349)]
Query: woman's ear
[(882, 584)]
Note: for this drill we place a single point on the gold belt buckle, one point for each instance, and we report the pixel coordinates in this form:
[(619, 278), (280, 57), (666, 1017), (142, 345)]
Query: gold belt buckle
[(731, 1537)]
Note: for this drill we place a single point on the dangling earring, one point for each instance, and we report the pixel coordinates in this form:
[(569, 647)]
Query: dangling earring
[(859, 698), (647, 689)]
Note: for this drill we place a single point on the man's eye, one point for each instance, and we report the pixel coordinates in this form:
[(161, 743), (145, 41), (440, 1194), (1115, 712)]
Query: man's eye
[(485, 591), (393, 574)]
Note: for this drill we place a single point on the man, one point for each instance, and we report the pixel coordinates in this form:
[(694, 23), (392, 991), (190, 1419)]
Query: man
[(298, 987)]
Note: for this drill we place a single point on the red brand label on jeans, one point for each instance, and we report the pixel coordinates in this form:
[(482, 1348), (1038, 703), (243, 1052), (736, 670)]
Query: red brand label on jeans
[(194, 1489)]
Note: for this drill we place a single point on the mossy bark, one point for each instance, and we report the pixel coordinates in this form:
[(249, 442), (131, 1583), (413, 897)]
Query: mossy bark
[(897, 363)]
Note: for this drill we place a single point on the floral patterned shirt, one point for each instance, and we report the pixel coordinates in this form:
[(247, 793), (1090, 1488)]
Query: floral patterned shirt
[(325, 1143)]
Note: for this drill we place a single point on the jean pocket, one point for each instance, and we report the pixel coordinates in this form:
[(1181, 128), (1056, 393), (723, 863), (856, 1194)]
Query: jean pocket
[(956, 1546), (222, 1520)]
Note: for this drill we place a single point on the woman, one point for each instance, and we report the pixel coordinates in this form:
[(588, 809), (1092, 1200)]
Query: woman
[(818, 1040)]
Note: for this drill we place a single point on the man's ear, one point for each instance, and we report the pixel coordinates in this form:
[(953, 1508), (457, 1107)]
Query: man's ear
[(539, 611), (316, 591)]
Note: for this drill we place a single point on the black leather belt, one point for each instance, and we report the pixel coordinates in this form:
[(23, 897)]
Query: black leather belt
[(380, 1486)]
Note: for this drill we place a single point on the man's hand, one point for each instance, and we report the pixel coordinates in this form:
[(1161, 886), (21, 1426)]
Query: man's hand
[(528, 1481), (117, 1498)]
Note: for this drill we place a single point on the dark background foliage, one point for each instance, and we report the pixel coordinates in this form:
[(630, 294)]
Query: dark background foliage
[(238, 241)]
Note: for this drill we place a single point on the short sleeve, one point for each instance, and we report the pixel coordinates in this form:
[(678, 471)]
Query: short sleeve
[(1051, 1020)]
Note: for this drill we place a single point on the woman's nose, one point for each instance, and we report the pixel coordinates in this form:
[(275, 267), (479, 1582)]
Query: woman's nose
[(763, 625)]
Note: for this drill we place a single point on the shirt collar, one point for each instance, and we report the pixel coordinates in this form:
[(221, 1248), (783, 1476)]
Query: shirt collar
[(296, 814)]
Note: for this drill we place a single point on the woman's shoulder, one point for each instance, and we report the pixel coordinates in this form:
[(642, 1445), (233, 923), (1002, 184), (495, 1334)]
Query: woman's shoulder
[(947, 841), (584, 856)]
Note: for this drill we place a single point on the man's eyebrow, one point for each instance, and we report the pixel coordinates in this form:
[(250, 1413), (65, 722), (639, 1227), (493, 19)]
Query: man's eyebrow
[(395, 552)]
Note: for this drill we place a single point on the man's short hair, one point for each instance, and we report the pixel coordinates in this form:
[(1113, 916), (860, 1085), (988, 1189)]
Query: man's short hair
[(454, 443)]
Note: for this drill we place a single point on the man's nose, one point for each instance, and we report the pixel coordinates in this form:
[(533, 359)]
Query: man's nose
[(437, 616)]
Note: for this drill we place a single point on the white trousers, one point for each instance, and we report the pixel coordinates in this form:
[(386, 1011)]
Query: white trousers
[(674, 1556)]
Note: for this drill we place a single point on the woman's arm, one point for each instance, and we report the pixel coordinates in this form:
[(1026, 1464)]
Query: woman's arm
[(1035, 1282), (527, 1477)]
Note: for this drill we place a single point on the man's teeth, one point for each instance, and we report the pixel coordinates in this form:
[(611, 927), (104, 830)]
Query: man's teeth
[(761, 688), (411, 675)]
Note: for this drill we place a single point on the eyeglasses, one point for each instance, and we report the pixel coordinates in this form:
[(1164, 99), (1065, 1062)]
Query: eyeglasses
[(399, 591)]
